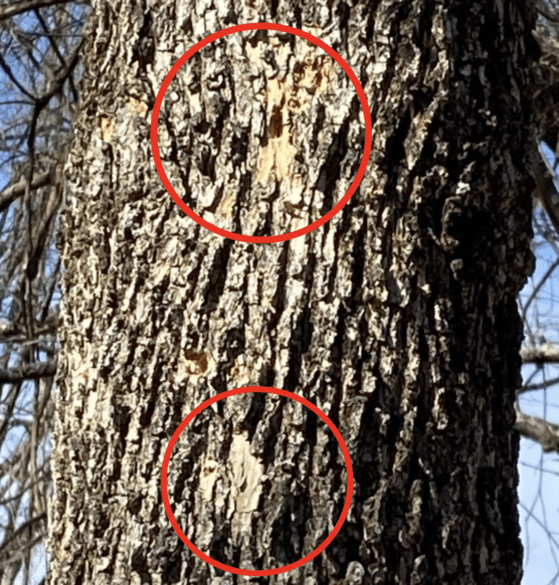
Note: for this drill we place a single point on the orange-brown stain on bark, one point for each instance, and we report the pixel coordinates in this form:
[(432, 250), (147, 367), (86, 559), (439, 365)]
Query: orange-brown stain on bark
[(197, 363)]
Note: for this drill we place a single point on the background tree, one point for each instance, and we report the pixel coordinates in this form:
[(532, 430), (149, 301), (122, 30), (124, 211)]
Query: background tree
[(38, 58), (536, 412)]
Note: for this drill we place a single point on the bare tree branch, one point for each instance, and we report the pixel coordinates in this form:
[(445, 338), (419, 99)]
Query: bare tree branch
[(18, 189), (539, 430), (546, 353), (9, 10), (27, 372)]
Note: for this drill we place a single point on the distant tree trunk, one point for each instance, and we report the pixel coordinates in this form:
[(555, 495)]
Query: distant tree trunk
[(397, 318)]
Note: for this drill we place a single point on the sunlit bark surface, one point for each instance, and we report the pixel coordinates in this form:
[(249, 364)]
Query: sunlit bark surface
[(397, 318)]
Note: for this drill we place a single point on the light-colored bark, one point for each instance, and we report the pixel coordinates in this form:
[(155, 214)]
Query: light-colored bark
[(545, 353), (397, 318), (542, 431)]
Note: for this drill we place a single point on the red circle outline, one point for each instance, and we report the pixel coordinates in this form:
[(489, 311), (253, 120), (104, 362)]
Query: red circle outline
[(252, 572), (366, 115)]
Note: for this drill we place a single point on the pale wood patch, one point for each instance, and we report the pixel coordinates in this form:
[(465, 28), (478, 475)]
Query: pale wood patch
[(107, 126), (138, 106)]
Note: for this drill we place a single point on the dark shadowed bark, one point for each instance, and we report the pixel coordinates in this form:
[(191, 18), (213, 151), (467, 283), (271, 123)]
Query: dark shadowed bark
[(397, 318)]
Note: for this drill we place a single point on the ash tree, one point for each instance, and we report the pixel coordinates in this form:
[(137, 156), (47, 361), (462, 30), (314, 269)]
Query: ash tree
[(397, 318)]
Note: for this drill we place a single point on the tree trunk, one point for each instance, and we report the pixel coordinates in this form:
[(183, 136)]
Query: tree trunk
[(397, 318)]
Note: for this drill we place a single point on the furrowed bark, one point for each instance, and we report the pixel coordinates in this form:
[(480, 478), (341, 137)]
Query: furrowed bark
[(397, 318)]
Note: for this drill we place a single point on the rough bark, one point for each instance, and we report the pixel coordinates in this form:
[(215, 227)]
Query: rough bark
[(397, 318)]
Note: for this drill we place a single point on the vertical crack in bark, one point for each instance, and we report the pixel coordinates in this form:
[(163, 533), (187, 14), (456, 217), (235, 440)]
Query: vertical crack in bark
[(216, 278)]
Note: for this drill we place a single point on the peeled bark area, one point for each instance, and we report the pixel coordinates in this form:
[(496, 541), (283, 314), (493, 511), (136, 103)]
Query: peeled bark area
[(397, 318)]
